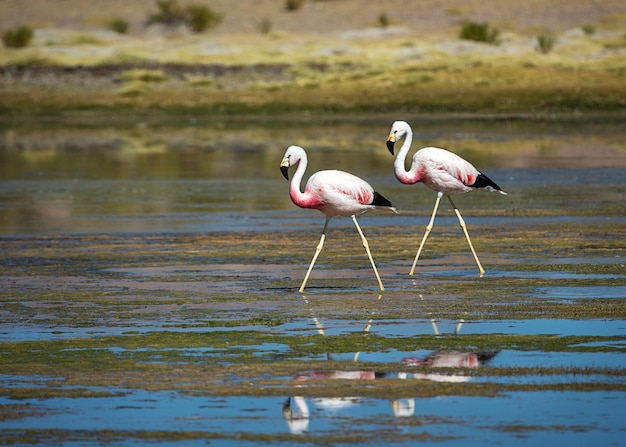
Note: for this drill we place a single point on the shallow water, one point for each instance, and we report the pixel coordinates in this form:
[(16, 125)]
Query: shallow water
[(149, 277), (513, 418)]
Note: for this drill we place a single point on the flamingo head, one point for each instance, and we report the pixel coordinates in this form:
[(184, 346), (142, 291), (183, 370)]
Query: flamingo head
[(398, 131), (292, 156)]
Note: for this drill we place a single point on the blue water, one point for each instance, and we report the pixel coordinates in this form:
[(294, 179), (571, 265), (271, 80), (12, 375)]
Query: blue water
[(515, 418)]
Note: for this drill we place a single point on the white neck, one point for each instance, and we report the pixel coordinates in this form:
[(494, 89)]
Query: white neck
[(399, 164)]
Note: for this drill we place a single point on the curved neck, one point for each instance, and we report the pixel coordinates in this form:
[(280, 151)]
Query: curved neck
[(296, 195), (411, 176)]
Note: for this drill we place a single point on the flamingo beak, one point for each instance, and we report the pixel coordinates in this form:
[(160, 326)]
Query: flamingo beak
[(284, 167), (390, 142)]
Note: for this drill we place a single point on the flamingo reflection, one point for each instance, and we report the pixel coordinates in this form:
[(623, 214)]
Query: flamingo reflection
[(439, 359), (296, 410)]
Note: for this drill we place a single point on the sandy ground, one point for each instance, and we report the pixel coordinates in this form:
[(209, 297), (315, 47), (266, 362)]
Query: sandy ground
[(243, 16)]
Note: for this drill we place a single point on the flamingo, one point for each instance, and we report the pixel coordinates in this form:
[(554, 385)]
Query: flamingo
[(440, 170), (334, 193)]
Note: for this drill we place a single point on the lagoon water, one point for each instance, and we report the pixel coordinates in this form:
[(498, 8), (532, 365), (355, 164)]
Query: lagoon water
[(156, 185)]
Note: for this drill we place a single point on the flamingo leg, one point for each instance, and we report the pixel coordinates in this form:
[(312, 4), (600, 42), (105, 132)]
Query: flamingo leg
[(369, 254), (428, 228), (462, 222), (317, 252)]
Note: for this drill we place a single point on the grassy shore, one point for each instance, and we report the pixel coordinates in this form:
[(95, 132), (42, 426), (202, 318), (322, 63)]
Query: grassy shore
[(369, 69)]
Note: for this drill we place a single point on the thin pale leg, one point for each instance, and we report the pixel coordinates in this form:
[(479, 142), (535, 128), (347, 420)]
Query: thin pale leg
[(462, 222), (317, 252), (369, 254), (428, 228)]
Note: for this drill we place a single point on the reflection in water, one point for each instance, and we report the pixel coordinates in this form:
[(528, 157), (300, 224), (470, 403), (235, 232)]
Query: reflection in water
[(296, 410)]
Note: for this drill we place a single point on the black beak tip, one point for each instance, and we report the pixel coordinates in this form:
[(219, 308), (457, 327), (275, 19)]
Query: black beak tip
[(285, 171), (390, 146)]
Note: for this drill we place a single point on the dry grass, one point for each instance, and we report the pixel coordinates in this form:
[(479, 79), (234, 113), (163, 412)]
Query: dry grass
[(328, 56), (321, 17)]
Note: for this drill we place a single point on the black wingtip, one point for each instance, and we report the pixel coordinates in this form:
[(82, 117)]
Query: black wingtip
[(482, 181), (380, 200)]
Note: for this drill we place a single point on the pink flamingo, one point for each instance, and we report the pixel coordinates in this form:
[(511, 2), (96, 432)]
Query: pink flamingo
[(440, 170), (334, 193)]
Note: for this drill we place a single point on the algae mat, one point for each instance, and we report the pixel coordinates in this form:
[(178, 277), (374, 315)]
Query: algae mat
[(147, 304)]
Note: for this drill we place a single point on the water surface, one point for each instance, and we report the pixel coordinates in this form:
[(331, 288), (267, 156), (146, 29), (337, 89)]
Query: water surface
[(150, 273)]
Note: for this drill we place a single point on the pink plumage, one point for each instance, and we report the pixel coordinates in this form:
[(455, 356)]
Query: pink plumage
[(440, 170), (334, 193)]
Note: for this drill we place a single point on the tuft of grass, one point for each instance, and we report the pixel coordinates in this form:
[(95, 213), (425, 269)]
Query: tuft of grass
[(545, 43), (383, 20), (588, 29), (169, 13), (18, 37), (479, 32), (198, 18), (293, 5), (120, 26)]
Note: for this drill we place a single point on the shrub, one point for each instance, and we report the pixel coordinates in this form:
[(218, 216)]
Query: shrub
[(170, 13), (201, 18), (293, 5), (588, 29), (18, 37), (545, 43), (383, 20), (197, 18), (479, 32), (119, 26)]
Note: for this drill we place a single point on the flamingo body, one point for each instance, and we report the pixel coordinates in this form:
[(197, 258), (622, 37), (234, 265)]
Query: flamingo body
[(334, 193), (443, 171), (440, 170)]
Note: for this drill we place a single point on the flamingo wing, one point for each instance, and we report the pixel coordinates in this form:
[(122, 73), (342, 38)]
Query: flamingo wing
[(343, 193), (445, 171)]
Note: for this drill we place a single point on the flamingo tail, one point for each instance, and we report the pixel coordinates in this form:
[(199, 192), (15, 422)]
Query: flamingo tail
[(482, 181), (380, 200)]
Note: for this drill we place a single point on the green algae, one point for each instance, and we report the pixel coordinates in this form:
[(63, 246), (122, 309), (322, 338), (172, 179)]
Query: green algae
[(158, 361), (55, 436)]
